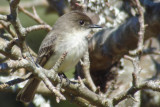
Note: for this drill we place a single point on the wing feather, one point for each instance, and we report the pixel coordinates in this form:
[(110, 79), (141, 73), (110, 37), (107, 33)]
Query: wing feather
[(46, 49)]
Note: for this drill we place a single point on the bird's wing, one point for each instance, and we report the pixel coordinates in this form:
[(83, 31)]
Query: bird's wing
[(46, 49)]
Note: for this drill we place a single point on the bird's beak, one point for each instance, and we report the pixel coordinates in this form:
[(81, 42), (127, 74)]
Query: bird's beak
[(94, 26)]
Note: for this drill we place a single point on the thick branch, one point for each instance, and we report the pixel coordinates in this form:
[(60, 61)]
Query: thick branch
[(82, 91), (109, 45)]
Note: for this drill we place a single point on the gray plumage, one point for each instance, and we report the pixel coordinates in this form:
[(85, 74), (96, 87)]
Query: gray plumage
[(69, 34)]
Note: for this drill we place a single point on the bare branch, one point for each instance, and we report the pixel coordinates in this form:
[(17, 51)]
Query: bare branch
[(5, 49), (110, 47), (10, 64), (7, 27), (137, 68), (111, 44), (26, 4), (154, 85), (15, 81), (37, 27), (35, 16), (59, 62), (50, 86), (86, 70), (53, 76), (142, 26)]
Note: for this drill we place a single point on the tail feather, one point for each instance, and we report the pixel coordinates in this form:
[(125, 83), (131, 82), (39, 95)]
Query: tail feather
[(28, 92)]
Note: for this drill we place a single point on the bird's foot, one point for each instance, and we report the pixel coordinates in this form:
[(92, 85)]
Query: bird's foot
[(62, 75)]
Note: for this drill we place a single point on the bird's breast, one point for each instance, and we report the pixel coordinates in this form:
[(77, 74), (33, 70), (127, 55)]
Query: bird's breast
[(75, 46)]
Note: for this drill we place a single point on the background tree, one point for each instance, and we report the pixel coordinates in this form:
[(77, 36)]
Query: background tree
[(121, 67)]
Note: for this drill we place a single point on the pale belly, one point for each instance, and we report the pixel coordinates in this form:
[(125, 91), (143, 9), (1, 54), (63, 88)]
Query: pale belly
[(75, 51)]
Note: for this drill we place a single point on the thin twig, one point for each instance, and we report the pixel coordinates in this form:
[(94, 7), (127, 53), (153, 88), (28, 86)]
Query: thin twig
[(142, 26), (48, 83), (33, 16), (7, 27), (86, 70), (37, 16), (137, 69), (154, 85), (50, 86), (5, 49), (15, 81), (25, 4), (59, 61), (37, 27), (80, 81)]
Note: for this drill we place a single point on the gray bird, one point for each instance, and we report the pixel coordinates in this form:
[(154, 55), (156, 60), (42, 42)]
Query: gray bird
[(69, 34)]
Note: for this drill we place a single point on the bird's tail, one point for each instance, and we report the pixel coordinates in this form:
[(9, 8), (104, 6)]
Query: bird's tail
[(28, 92)]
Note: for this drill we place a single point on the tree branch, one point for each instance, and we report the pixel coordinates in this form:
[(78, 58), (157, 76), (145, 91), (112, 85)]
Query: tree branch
[(37, 27), (142, 26), (15, 81), (86, 66), (110, 44)]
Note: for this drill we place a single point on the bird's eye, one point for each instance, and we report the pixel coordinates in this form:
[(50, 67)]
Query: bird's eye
[(81, 22)]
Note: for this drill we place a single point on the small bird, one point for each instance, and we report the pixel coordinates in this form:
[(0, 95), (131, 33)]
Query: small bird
[(69, 34)]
